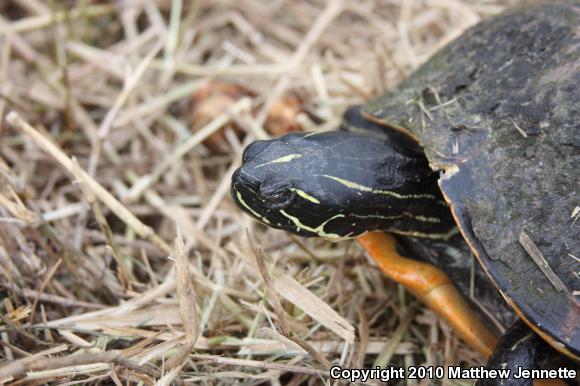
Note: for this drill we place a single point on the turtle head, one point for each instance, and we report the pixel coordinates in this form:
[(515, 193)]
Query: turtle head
[(339, 184)]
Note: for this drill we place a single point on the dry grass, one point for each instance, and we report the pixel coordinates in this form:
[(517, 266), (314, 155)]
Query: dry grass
[(116, 226)]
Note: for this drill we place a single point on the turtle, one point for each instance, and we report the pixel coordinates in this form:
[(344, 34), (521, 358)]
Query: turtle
[(476, 153)]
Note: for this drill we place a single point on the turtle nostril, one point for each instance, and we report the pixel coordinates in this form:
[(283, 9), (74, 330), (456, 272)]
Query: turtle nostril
[(241, 178), (236, 178)]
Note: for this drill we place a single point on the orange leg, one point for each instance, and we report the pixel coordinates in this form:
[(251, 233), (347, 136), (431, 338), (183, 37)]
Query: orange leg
[(433, 287)]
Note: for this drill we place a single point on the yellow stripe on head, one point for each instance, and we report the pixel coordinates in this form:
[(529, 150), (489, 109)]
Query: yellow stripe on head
[(442, 236), (319, 230), (256, 214), (286, 158), (305, 195), (356, 186)]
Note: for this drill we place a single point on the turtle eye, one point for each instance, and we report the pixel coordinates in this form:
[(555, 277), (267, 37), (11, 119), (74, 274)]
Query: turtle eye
[(278, 195)]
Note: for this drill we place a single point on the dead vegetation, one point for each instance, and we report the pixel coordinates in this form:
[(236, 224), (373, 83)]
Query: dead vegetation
[(122, 258)]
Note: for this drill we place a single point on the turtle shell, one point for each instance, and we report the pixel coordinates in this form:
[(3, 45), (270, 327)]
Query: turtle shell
[(497, 112)]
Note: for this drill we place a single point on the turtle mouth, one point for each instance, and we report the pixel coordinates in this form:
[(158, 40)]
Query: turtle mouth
[(245, 193), (270, 203)]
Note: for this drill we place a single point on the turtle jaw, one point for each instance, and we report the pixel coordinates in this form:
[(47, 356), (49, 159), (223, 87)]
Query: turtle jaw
[(266, 203), (281, 204)]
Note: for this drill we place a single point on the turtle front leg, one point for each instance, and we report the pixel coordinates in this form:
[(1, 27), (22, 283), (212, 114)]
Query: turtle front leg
[(519, 348), (433, 287)]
